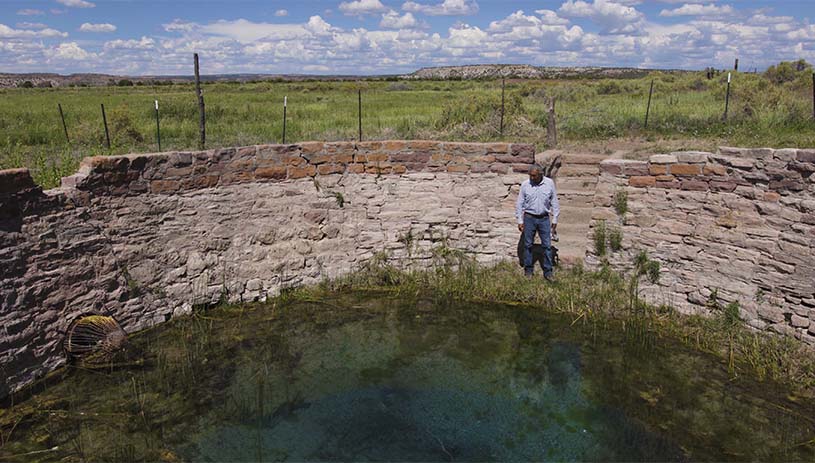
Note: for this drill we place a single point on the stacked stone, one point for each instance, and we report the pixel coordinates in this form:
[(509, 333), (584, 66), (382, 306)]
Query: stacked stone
[(146, 237), (739, 223), (166, 173)]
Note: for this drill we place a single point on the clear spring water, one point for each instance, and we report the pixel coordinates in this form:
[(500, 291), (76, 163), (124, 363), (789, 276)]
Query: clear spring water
[(376, 378)]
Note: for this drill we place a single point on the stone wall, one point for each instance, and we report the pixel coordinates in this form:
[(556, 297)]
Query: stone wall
[(146, 237), (740, 222)]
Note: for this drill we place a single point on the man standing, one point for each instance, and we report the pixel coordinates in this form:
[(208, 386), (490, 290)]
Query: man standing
[(536, 201)]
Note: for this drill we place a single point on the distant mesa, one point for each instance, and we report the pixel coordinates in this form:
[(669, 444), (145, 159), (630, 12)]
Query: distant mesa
[(469, 72)]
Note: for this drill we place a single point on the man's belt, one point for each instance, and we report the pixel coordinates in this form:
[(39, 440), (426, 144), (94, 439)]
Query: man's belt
[(537, 216)]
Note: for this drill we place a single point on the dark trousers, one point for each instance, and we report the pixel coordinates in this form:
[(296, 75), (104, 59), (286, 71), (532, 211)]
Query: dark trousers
[(544, 229)]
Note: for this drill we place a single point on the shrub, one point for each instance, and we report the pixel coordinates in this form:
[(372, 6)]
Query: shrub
[(785, 71), (615, 239), (599, 238), (620, 202)]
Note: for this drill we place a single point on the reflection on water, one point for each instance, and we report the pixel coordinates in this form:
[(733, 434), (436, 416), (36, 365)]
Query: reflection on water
[(360, 378)]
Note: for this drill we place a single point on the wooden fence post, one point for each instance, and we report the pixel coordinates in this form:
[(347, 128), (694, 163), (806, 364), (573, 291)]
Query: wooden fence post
[(202, 118), (105, 122), (551, 128), (284, 118), (503, 84), (359, 94), (68, 140), (158, 129), (727, 97), (648, 109)]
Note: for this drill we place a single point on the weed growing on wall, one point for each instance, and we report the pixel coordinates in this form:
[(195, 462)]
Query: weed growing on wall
[(599, 238), (620, 202), (615, 239)]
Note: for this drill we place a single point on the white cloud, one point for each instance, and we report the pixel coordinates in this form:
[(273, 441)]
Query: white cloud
[(317, 25), (9, 33), (699, 10), (178, 25), (245, 31), (362, 7), (551, 17), (76, 3), (145, 43), (105, 27), (69, 51), (30, 12), (445, 8), (28, 25), (614, 17), (392, 20), (281, 13)]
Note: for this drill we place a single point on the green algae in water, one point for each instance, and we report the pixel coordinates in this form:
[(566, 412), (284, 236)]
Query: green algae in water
[(363, 377)]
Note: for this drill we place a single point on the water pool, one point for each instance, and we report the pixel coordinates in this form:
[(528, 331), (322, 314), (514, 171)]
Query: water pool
[(374, 377)]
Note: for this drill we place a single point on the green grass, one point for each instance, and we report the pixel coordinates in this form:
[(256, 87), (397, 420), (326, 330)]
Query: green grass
[(763, 112)]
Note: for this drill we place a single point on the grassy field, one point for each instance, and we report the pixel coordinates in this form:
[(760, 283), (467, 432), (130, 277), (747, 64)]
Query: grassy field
[(687, 108)]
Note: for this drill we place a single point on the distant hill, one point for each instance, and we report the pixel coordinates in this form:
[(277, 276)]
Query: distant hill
[(477, 71), (524, 71)]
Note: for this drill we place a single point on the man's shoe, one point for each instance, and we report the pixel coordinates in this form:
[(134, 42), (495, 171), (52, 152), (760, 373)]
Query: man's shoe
[(549, 277)]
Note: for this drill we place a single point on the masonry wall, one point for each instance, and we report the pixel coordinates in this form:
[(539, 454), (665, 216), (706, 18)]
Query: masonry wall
[(740, 222), (145, 237)]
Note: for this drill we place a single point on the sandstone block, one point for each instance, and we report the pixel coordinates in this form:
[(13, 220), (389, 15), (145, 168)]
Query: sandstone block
[(344, 158), (458, 168), (658, 169), (15, 180), (521, 168), (636, 168), (410, 157), (341, 148), (527, 152), (326, 169), (714, 169), (178, 172), (164, 186), (694, 185), (311, 148), (198, 182), (180, 159), (231, 178), (424, 146), (691, 157), (663, 159), (301, 172), (356, 168), (685, 169), (399, 169), (785, 155), (799, 322), (787, 185), (222, 155), (807, 155), (499, 168), (612, 166), (246, 152), (669, 184), (271, 172), (393, 146), (642, 181), (771, 196), (373, 157), (722, 186), (498, 148)]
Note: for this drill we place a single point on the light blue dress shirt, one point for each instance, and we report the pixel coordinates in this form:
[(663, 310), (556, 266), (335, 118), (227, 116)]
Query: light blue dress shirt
[(537, 199)]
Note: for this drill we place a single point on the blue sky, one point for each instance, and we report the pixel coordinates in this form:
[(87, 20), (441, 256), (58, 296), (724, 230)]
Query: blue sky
[(386, 36)]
